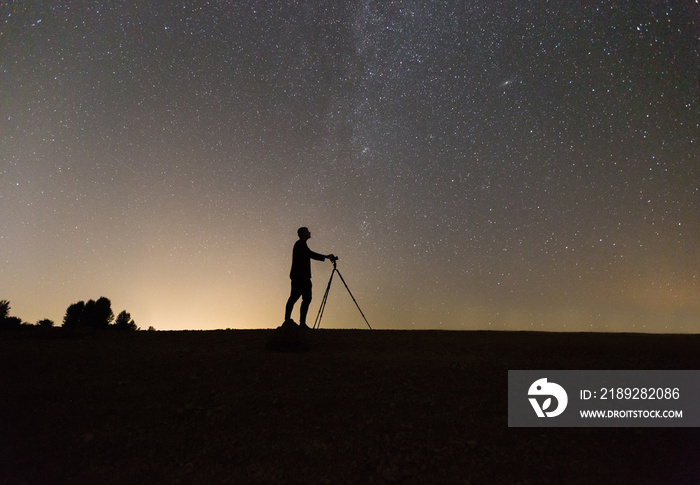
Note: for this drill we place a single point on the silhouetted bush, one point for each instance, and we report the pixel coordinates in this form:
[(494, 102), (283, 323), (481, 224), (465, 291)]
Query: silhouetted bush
[(93, 314), (7, 322), (124, 322), (45, 323), (11, 323)]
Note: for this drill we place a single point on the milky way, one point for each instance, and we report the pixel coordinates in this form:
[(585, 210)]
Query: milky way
[(476, 165)]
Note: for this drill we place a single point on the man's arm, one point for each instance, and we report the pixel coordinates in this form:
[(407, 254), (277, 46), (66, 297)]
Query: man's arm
[(321, 257), (316, 256)]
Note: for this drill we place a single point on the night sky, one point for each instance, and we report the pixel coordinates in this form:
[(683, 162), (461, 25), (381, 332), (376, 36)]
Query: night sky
[(506, 165)]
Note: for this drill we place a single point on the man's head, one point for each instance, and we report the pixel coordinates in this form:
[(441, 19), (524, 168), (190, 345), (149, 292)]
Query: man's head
[(303, 233)]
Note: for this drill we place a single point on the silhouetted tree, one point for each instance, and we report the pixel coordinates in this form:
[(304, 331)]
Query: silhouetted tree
[(4, 309), (45, 323), (99, 313), (93, 314), (124, 322), (74, 315)]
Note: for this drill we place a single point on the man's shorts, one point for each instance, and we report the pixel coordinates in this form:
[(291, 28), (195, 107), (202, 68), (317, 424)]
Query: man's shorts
[(301, 288)]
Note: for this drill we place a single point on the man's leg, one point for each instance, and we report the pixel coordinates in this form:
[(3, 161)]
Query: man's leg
[(305, 301), (293, 297)]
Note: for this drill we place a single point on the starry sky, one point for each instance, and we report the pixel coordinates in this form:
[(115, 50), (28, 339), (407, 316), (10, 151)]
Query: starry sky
[(476, 164)]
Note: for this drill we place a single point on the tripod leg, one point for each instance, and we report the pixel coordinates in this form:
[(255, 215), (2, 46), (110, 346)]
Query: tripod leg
[(353, 298), (317, 322)]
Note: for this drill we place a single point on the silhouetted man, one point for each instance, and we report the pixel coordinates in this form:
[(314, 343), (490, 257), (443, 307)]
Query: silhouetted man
[(300, 275)]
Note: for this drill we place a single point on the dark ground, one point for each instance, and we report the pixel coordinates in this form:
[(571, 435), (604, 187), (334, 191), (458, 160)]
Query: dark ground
[(357, 406)]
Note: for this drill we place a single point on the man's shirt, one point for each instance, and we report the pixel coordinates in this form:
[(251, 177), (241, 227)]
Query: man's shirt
[(301, 261)]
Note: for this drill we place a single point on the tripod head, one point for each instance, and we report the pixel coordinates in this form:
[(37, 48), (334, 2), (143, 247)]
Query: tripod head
[(333, 259)]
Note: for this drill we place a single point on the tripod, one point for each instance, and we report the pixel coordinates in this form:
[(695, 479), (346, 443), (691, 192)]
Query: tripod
[(317, 323)]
